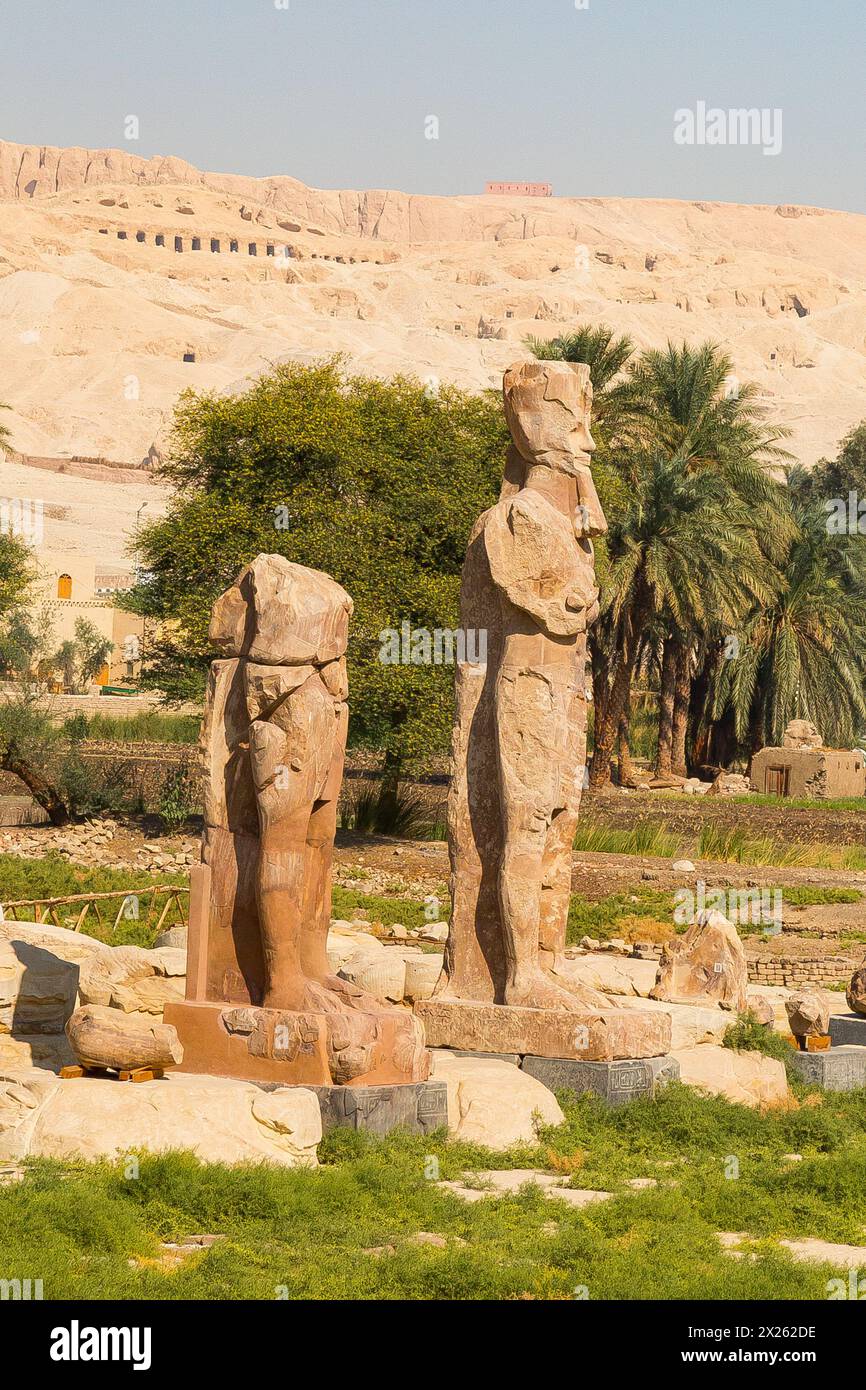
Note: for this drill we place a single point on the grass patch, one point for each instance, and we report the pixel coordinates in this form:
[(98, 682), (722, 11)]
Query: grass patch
[(55, 877), (146, 727), (310, 1233), (801, 803), (650, 838), (736, 846), (633, 916)]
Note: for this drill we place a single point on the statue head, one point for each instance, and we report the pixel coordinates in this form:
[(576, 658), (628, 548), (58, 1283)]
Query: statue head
[(548, 407)]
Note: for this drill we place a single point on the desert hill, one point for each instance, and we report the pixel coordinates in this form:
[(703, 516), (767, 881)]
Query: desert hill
[(125, 280)]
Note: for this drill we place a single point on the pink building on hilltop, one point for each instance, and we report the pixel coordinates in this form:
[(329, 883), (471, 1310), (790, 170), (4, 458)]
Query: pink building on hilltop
[(521, 190)]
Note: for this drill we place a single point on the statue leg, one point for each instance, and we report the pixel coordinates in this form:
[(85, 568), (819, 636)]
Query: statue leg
[(532, 711), (288, 760), (474, 965), (556, 877)]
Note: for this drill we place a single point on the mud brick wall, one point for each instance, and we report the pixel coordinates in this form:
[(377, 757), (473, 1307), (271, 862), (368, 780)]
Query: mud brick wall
[(800, 972)]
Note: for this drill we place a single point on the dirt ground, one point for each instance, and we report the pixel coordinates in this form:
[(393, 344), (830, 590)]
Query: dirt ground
[(687, 815)]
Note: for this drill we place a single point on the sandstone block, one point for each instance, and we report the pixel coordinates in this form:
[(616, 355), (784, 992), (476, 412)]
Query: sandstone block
[(493, 1103), (221, 1121), (749, 1078)]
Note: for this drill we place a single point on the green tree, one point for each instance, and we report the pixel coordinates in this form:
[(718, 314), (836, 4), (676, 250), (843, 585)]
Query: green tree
[(683, 553), (377, 483), (804, 654)]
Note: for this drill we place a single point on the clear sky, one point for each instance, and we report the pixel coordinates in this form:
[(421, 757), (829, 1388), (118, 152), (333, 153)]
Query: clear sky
[(338, 92)]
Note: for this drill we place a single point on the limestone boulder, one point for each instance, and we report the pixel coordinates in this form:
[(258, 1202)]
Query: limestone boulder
[(707, 964), (422, 973), (382, 975), (856, 991), (611, 975), (691, 1024), (37, 989), (344, 942), (749, 1078), (808, 1015), (492, 1102), (75, 947), (221, 1121), (23, 1090)]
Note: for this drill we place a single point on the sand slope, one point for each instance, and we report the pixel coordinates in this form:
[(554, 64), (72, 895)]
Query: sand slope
[(94, 329)]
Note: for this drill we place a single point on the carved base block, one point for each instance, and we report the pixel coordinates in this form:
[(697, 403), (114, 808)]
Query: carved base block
[(419, 1108), (605, 1036), (294, 1049)]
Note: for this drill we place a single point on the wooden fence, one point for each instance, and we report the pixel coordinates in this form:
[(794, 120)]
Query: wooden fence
[(47, 909)]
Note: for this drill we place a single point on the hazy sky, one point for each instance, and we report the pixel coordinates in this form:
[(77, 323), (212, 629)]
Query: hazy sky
[(338, 92)]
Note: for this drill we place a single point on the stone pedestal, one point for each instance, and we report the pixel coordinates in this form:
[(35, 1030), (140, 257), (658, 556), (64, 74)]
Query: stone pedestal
[(837, 1069), (298, 1049), (419, 1108), (607, 1035), (847, 1028), (616, 1082)]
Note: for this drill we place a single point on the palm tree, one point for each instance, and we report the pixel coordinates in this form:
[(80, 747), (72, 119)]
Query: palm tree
[(689, 399), (684, 553), (803, 656)]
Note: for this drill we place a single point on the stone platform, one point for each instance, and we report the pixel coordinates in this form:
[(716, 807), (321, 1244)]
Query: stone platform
[(847, 1028), (838, 1069), (608, 1035), (616, 1082), (419, 1107), (299, 1049), (633, 1078)]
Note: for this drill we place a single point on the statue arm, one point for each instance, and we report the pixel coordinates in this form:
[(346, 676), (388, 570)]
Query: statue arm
[(536, 563)]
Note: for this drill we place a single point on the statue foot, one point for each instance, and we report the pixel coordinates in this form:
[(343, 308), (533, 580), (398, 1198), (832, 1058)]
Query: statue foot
[(537, 990)]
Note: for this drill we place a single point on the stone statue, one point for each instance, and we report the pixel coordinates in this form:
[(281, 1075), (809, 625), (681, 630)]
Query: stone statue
[(273, 739), (519, 742)]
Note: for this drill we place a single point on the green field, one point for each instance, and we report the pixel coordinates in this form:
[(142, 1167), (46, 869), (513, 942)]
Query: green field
[(348, 1229)]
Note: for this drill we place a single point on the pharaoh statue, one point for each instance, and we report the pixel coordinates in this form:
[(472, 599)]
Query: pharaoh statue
[(273, 741), (519, 739)]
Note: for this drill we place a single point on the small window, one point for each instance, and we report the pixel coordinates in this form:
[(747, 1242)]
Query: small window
[(253, 249), (196, 243), (214, 244), (178, 243), (64, 586), (233, 246), (140, 236), (160, 239), (189, 357)]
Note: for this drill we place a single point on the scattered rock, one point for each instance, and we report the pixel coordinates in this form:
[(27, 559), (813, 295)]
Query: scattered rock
[(707, 964), (492, 1102), (808, 1015), (856, 991), (222, 1121), (683, 866), (475, 1187), (731, 784), (749, 1078)]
